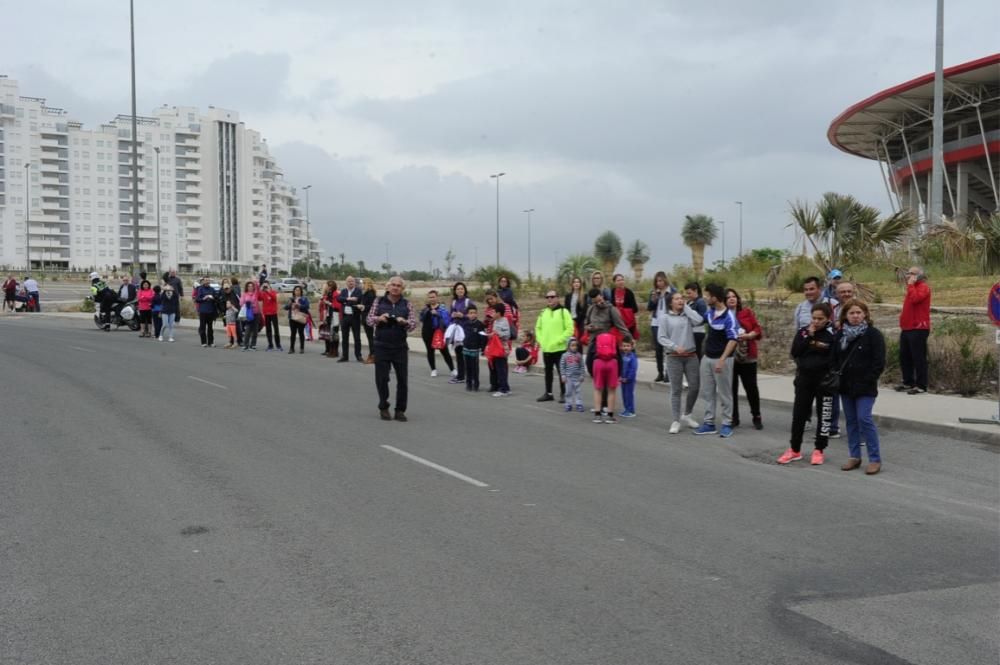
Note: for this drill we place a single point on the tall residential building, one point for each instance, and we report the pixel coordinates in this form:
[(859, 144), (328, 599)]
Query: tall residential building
[(223, 201)]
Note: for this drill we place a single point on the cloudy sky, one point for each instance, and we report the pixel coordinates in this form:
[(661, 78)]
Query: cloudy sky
[(603, 114)]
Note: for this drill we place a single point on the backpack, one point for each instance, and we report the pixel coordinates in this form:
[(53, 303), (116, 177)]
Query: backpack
[(605, 347)]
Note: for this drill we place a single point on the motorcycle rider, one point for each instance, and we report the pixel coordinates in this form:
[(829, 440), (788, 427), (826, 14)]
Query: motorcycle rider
[(104, 298), (126, 293)]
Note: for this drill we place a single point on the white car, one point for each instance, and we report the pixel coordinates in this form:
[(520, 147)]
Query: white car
[(287, 285)]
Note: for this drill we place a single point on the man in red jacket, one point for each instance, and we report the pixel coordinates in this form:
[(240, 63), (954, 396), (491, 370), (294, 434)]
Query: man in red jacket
[(915, 327)]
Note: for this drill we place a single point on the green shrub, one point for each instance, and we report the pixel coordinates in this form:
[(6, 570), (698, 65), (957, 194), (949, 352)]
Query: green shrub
[(87, 305), (793, 281)]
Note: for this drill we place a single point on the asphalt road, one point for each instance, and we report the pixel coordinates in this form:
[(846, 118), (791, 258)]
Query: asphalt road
[(164, 503)]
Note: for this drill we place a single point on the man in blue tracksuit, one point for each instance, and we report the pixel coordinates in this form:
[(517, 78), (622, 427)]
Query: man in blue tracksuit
[(629, 373)]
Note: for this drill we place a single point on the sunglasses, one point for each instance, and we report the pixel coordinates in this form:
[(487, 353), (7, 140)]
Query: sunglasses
[(551, 296)]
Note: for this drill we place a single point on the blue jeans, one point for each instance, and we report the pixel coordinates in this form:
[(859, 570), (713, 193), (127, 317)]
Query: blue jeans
[(628, 397), (858, 415)]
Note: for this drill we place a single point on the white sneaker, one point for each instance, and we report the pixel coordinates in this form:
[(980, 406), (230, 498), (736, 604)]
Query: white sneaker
[(160, 338), (434, 372), (497, 394), (454, 373), (675, 427), (171, 339), (689, 421)]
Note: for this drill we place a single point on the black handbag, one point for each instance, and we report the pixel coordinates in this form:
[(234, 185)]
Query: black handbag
[(830, 383)]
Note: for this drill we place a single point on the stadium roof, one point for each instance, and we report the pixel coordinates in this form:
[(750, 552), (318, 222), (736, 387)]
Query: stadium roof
[(863, 127)]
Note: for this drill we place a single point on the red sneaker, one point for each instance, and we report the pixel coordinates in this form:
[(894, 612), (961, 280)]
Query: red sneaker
[(817, 458), (789, 456)]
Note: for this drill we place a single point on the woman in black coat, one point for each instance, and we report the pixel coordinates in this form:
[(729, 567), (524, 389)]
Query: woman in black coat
[(575, 303), (860, 350)]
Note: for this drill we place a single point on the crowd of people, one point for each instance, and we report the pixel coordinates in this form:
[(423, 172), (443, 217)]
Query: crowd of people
[(705, 338)]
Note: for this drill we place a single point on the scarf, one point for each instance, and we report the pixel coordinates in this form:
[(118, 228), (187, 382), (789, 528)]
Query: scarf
[(851, 333)]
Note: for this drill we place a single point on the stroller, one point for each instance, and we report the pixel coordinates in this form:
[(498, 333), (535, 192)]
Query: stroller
[(24, 302)]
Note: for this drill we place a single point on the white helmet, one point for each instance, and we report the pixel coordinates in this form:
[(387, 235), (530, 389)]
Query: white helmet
[(94, 275), (127, 313)]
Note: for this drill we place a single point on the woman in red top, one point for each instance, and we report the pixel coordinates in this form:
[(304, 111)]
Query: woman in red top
[(745, 358), (624, 299), (269, 309), (145, 297)]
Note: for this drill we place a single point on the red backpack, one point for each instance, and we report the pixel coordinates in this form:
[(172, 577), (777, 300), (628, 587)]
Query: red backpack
[(605, 346)]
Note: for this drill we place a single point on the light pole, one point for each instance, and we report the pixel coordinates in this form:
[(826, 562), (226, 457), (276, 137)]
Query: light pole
[(937, 126), (159, 249), (27, 217), (308, 250), (740, 204), (723, 242), (135, 143), (475, 259), (528, 213), (498, 176)]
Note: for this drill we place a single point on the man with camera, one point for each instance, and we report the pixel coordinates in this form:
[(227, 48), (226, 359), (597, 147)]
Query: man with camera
[(392, 317)]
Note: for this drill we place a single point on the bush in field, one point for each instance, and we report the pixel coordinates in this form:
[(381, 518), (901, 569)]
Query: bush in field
[(959, 358), (87, 305)]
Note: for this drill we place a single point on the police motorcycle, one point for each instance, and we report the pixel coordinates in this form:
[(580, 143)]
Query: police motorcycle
[(126, 314)]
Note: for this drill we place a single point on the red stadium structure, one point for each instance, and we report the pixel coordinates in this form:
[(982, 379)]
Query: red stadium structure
[(894, 127)]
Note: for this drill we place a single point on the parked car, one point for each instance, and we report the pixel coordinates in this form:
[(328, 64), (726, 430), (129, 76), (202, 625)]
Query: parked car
[(287, 285)]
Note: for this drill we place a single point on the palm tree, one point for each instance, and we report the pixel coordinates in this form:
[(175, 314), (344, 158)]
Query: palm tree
[(844, 232), (698, 232), (343, 257), (637, 256), (608, 250), (449, 260), (576, 265)]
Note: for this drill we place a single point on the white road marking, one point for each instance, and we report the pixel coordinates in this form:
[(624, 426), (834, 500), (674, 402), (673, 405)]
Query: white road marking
[(195, 378), (437, 467), (80, 348)]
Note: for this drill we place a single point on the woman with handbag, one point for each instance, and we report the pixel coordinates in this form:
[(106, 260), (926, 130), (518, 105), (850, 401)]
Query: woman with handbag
[(329, 314), (812, 349), (859, 352), (368, 297), (250, 315), (745, 358), (298, 314), (434, 320)]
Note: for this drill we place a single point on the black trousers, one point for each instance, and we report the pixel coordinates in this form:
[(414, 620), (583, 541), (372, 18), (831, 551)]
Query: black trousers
[(445, 353), (271, 322), (913, 357), (699, 341), (551, 360), (351, 325), (370, 334), (747, 373), (463, 365), (470, 365), (808, 393), (498, 376), (205, 331), (387, 360), (659, 352)]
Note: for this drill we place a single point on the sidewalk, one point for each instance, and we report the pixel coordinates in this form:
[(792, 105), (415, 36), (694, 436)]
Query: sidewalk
[(930, 413)]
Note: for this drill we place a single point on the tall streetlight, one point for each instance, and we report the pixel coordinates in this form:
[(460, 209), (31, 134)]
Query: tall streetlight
[(308, 249), (27, 217), (528, 213), (159, 249), (937, 125), (498, 176), (723, 224), (135, 143), (740, 204)]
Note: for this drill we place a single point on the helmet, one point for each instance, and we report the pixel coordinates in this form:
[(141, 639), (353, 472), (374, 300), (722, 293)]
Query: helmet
[(94, 275), (127, 313)]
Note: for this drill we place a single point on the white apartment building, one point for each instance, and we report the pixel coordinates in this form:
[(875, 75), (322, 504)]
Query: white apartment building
[(223, 201)]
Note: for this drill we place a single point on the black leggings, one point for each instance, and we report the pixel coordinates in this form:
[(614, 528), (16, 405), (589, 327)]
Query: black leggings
[(746, 372), (808, 393), (430, 352), (300, 330), (370, 334), (271, 321)]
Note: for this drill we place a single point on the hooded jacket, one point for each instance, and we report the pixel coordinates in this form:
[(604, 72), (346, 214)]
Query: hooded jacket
[(571, 363), (553, 329)]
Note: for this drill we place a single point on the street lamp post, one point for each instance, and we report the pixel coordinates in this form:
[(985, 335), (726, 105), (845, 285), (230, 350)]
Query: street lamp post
[(498, 176), (308, 250), (135, 143), (159, 249), (740, 204), (528, 213), (27, 217), (723, 242)]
